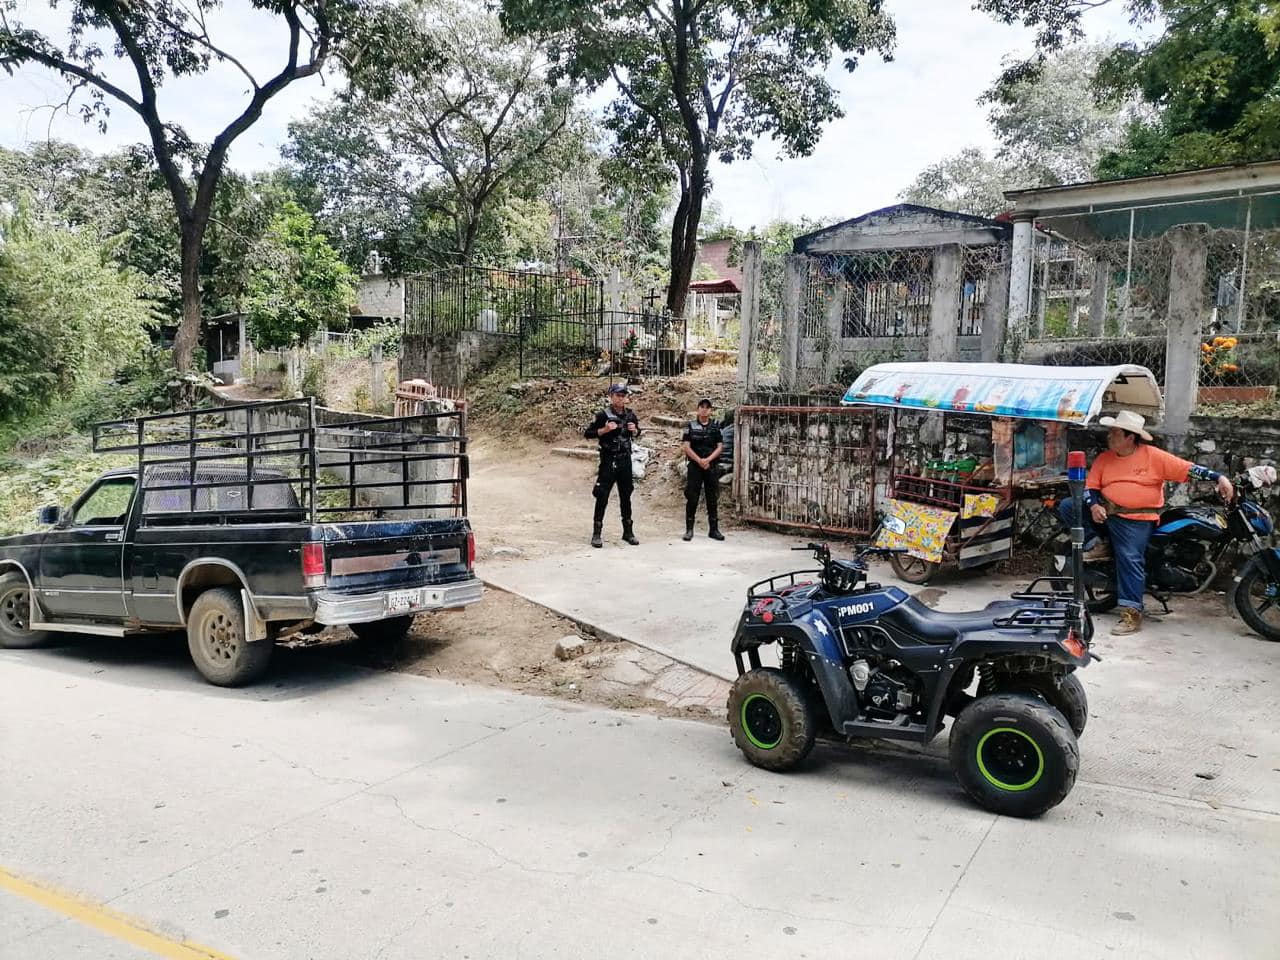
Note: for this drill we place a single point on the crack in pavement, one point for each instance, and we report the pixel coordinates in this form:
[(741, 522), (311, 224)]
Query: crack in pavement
[(725, 794), (955, 886), (762, 908), (502, 858), (409, 927)]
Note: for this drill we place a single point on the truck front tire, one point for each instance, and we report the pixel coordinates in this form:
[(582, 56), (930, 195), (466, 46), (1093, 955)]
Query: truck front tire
[(216, 639), (15, 614)]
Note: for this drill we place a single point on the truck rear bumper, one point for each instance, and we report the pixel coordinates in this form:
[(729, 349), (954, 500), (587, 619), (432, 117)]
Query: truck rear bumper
[(337, 609)]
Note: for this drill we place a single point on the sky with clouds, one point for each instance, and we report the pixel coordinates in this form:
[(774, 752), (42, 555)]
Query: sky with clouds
[(899, 116)]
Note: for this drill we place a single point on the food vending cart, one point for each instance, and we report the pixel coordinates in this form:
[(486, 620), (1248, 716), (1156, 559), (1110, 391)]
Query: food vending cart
[(962, 509)]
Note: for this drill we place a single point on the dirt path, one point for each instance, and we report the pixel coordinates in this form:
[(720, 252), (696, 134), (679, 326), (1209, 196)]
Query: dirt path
[(507, 642)]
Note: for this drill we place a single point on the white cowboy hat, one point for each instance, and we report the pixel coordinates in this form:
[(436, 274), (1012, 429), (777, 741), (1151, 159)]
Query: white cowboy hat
[(1128, 420)]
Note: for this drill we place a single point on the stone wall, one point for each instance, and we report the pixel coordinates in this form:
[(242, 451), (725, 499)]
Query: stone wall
[(778, 483)]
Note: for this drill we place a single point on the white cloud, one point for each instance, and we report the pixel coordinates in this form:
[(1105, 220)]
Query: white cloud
[(900, 116)]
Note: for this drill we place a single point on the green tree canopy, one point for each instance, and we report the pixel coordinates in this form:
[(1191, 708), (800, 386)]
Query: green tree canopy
[(698, 79), (298, 284), (68, 312), (162, 39), (1211, 75)]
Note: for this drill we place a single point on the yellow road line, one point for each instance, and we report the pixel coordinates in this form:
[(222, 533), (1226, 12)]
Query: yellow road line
[(106, 920)]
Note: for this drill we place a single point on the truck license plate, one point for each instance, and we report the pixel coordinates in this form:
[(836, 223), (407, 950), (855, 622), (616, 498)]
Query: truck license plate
[(398, 601)]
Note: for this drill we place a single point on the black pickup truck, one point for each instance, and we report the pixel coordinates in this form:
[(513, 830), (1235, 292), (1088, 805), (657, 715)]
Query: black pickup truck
[(243, 525)]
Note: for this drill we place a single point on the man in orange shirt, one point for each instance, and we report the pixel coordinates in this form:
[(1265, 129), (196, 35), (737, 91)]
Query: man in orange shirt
[(1124, 493)]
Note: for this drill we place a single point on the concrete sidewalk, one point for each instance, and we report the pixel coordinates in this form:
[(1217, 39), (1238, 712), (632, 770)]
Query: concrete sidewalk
[(336, 814), (1186, 708)]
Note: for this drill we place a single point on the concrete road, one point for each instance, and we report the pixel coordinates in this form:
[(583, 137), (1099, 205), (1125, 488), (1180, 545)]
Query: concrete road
[(338, 813), (1188, 708)]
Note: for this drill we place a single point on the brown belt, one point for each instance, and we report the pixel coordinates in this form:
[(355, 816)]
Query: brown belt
[(1115, 510)]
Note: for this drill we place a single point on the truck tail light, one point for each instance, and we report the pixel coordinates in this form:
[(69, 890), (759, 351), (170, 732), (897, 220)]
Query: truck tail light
[(471, 550), (313, 564)]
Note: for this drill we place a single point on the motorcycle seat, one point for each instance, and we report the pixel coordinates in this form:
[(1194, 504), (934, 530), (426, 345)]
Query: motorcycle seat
[(942, 626)]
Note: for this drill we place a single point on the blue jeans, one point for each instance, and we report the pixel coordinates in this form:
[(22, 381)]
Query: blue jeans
[(1129, 539)]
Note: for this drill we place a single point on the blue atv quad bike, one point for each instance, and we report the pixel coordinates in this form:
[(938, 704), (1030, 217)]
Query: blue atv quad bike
[(860, 660)]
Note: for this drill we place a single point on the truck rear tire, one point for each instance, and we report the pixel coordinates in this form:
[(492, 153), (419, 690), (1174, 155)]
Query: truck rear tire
[(216, 639), (15, 614), (383, 631)]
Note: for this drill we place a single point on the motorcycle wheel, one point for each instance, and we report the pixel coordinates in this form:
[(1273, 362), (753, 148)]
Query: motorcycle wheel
[(1258, 600), (1100, 593), (913, 569)]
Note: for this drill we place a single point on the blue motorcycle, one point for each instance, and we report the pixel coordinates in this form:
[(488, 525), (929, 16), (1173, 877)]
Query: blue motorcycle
[(856, 659), (1190, 545)]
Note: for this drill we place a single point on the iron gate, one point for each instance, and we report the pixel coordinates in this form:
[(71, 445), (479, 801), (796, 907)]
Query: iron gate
[(807, 467)]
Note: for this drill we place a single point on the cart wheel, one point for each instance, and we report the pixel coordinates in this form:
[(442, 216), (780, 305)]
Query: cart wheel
[(913, 569)]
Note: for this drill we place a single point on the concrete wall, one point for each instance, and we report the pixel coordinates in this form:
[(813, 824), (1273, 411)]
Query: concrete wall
[(380, 296), (448, 360)]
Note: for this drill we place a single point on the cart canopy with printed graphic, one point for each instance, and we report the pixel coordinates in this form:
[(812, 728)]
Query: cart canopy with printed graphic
[(1075, 395)]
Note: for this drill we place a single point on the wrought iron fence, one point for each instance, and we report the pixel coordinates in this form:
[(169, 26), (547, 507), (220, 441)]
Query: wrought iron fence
[(619, 344), (492, 301)]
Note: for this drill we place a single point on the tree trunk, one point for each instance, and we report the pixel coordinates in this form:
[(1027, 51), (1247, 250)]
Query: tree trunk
[(188, 336), (684, 239)]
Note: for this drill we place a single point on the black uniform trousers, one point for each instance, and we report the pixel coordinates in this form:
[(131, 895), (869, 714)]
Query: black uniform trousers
[(615, 468), (700, 480)]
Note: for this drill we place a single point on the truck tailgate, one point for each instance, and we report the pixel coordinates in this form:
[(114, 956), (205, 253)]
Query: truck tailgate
[(395, 554)]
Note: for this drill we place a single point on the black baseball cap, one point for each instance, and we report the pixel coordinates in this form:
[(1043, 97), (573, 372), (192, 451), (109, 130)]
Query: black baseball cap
[(619, 388), (705, 402)]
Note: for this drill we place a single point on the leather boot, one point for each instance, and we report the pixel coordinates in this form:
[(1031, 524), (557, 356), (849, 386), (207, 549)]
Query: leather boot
[(628, 535), (688, 528), (1130, 622), (596, 530), (714, 533)]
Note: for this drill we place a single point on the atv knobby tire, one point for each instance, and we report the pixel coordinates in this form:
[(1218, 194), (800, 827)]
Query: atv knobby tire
[(1014, 754), (383, 631), (771, 718), (15, 614), (1068, 696), (216, 639)]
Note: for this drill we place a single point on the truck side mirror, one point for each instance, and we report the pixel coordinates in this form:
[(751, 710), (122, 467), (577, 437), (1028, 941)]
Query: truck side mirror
[(50, 515)]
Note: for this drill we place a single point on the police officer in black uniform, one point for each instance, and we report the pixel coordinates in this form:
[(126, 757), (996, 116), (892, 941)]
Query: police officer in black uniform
[(703, 445), (614, 427)]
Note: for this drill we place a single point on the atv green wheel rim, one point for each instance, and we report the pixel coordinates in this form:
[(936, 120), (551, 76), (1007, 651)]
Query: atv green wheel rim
[(761, 721), (1010, 759)]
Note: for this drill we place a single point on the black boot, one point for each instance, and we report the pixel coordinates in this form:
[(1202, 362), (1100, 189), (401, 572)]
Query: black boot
[(596, 529), (688, 528), (628, 534), (714, 531)]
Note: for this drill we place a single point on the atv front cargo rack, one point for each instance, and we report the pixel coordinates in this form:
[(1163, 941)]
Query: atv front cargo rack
[(289, 460)]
